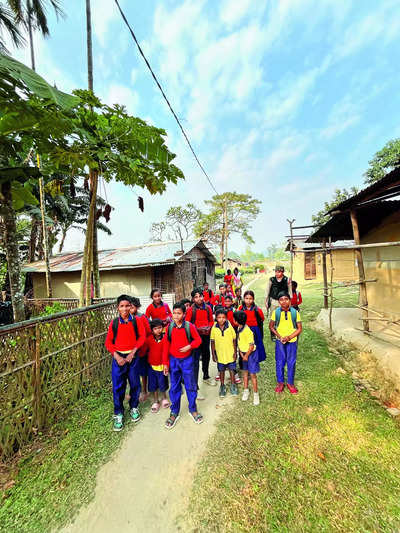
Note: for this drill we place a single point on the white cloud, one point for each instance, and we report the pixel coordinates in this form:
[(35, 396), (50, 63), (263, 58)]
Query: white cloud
[(122, 95)]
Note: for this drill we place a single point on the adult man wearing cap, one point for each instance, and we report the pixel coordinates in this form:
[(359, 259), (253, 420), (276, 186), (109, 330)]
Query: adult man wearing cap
[(278, 283)]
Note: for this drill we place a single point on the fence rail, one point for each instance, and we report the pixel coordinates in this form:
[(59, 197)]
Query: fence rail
[(47, 364)]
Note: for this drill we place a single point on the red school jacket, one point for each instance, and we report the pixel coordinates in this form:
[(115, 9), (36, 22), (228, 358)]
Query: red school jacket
[(251, 315), (219, 300), (155, 350), (126, 337), (179, 340), (296, 299), (161, 311), (204, 316), (208, 296), (230, 317)]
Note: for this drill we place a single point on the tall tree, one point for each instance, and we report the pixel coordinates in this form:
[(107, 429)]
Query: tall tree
[(179, 223), (229, 213), (383, 161), (339, 196)]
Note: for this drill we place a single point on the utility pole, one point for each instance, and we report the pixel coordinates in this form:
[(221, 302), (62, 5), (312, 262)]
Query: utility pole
[(291, 246), (225, 235)]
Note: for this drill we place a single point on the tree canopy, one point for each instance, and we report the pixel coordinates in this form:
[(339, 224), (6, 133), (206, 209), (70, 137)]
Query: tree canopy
[(385, 160)]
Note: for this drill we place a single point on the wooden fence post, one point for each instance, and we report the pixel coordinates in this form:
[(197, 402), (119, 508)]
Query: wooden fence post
[(361, 271), (325, 274), (38, 385)]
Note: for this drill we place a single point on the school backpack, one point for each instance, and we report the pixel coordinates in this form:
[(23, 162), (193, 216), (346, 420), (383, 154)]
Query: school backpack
[(209, 292), (260, 322), (115, 324), (194, 311), (187, 330), (293, 314)]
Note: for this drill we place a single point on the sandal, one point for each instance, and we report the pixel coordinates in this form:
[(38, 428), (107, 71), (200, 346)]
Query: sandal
[(155, 407), (198, 418), (171, 421), (165, 403)]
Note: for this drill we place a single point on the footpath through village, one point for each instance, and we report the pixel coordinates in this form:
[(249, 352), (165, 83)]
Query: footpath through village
[(235, 438)]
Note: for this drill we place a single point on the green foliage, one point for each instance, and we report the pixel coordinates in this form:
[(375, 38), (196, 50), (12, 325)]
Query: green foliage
[(383, 161), (56, 307), (179, 223), (339, 196)]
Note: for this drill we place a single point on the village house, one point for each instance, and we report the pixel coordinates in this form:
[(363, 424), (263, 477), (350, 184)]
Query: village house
[(307, 261), (133, 270)]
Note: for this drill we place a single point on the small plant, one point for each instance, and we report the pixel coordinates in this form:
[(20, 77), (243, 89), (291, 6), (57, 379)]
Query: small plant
[(52, 309)]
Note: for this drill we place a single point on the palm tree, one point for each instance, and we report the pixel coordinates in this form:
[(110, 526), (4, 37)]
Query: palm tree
[(10, 25), (32, 15)]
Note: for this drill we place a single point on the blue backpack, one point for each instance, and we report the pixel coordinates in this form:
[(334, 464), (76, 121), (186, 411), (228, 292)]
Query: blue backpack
[(293, 314)]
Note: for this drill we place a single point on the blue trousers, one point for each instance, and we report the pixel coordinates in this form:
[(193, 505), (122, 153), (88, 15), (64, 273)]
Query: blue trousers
[(258, 339), (182, 368), (120, 375), (285, 354), (196, 353)]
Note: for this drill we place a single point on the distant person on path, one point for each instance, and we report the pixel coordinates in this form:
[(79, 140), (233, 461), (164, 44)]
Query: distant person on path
[(158, 381), (125, 336), (158, 308), (228, 281), (248, 350), (223, 347), (237, 281), (296, 300), (255, 321), (180, 340), (278, 283), (208, 294), (219, 299), (286, 325), (237, 302)]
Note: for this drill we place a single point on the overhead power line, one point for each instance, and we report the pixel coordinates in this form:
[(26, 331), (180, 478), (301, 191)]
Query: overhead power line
[(165, 98)]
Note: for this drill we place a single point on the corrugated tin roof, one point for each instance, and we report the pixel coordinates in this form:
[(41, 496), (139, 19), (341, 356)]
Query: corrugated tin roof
[(302, 244), (151, 254)]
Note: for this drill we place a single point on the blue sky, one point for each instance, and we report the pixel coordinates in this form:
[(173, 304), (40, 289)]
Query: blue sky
[(283, 99)]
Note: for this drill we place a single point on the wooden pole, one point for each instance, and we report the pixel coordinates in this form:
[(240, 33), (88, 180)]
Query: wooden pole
[(291, 246), (225, 240), (325, 274), (361, 271), (37, 387), (330, 286), (44, 235)]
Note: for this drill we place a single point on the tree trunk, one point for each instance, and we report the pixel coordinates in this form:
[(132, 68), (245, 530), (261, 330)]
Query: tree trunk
[(87, 259), (61, 246), (96, 271), (12, 253), (45, 241), (89, 45), (29, 9), (33, 239)]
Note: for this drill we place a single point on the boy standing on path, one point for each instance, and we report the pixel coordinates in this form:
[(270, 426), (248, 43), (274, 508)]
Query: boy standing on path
[(223, 347), (124, 338), (286, 325), (180, 340)]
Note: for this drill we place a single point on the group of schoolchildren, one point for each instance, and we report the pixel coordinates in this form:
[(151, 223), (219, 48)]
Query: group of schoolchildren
[(147, 348)]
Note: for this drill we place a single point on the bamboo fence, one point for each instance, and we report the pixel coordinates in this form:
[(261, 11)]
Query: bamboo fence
[(47, 364)]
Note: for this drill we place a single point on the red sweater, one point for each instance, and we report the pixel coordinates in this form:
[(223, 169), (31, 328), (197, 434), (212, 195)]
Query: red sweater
[(147, 329), (207, 297), (230, 317), (161, 311), (155, 349), (126, 338), (219, 300), (204, 317), (296, 299), (251, 315), (179, 340), (228, 279)]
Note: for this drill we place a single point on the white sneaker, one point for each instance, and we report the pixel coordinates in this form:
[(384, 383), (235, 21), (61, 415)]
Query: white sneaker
[(210, 381), (200, 396), (245, 395), (256, 398)]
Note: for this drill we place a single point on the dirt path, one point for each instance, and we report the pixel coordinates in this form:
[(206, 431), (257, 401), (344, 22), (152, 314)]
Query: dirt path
[(146, 485)]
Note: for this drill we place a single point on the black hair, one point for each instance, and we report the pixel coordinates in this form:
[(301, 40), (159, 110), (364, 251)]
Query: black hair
[(197, 290), (228, 297), (135, 301), (205, 283), (229, 271), (221, 285), (179, 305), (238, 289), (282, 294), (220, 311), (156, 323), (236, 268), (185, 301), (217, 308), (250, 293), (240, 317), (123, 298), (153, 291), (294, 285)]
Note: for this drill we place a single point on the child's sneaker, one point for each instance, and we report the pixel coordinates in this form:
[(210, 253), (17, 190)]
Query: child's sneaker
[(279, 388), (234, 389), (118, 422), (217, 378), (237, 379), (200, 396), (256, 399), (245, 395), (222, 391), (292, 389), (135, 414)]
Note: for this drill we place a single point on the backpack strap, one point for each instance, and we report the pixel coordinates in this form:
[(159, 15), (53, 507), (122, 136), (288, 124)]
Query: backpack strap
[(209, 313), (165, 305), (170, 328), (278, 312), (260, 322), (115, 324), (293, 314), (187, 331)]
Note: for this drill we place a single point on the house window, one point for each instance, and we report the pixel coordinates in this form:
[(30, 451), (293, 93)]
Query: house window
[(310, 269)]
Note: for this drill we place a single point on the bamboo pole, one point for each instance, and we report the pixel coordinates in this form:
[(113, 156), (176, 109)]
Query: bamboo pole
[(49, 288), (370, 245), (325, 274), (361, 271), (331, 288), (291, 246), (37, 387)]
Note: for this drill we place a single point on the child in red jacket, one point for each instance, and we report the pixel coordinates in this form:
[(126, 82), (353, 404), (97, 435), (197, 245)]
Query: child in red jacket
[(179, 341), (125, 336), (208, 294), (219, 299), (157, 380), (296, 300), (158, 309), (143, 365)]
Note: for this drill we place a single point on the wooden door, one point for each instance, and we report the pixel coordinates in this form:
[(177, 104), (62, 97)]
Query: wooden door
[(310, 269)]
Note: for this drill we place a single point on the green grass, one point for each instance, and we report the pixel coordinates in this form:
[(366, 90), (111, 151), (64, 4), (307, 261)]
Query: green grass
[(59, 473), (325, 460)]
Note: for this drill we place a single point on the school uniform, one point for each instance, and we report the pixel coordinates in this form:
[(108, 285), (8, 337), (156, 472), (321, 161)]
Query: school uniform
[(296, 300), (143, 364), (162, 311), (125, 341), (203, 318), (230, 317), (253, 325), (285, 354), (157, 379), (181, 365), (224, 340), (208, 296), (245, 338), (219, 300)]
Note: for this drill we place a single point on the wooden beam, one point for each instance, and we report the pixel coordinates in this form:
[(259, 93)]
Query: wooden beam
[(325, 274), (361, 271)]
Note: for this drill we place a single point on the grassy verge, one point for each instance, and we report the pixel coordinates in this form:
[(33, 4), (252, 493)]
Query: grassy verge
[(325, 460), (58, 475)]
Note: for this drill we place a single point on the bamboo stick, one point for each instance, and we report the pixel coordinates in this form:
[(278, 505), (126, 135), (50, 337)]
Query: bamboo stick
[(361, 271)]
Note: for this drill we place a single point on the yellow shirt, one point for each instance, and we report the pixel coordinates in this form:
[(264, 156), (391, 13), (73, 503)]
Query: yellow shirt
[(224, 343), (285, 327), (245, 338)]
